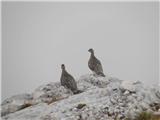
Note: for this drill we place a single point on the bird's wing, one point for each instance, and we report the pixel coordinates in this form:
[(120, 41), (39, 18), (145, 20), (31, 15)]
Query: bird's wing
[(71, 82), (90, 65), (93, 63), (62, 80), (98, 66)]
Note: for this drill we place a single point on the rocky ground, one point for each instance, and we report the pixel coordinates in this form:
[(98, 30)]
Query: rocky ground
[(102, 99)]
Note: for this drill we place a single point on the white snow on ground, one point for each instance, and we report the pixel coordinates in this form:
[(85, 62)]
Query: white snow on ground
[(101, 99)]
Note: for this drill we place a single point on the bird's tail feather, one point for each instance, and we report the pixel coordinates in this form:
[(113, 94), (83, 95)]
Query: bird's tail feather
[(102, 74), (77, 91)]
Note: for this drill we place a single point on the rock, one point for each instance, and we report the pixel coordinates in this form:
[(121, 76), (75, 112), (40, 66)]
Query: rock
[(16, 103), (102, 99), (80, 106), (91, 79), (50, 93), (126, 92), (30, 113), (131, 86), (156, 115)]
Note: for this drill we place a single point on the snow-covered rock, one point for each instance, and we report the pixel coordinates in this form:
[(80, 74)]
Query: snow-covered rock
[(102, 98), (50, 93), (29, 113), (15, 103), (131, 86)]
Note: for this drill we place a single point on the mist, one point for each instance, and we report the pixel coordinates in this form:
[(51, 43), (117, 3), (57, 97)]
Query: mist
[(37, 37)]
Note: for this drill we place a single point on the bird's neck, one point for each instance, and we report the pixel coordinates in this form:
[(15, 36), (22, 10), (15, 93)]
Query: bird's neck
[(92, 54), (64, 71)]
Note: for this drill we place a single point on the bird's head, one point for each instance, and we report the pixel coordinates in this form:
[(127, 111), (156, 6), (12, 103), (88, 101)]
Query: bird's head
[(62, 66), (91, 50)]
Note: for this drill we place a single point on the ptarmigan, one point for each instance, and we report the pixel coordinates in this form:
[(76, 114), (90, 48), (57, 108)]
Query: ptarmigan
[(94, 64), (68, 81)]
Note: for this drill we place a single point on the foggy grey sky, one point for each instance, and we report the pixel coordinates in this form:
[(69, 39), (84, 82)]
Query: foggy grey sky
[(37, 37)]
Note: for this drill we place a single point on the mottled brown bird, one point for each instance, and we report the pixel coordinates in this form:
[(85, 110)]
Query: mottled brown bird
[(68, 81), (94, 64)]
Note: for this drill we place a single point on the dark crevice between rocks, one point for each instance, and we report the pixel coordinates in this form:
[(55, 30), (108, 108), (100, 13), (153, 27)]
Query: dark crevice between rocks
[(81, 105)]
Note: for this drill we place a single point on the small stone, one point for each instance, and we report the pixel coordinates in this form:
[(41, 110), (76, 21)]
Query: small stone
[(126, 92)]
